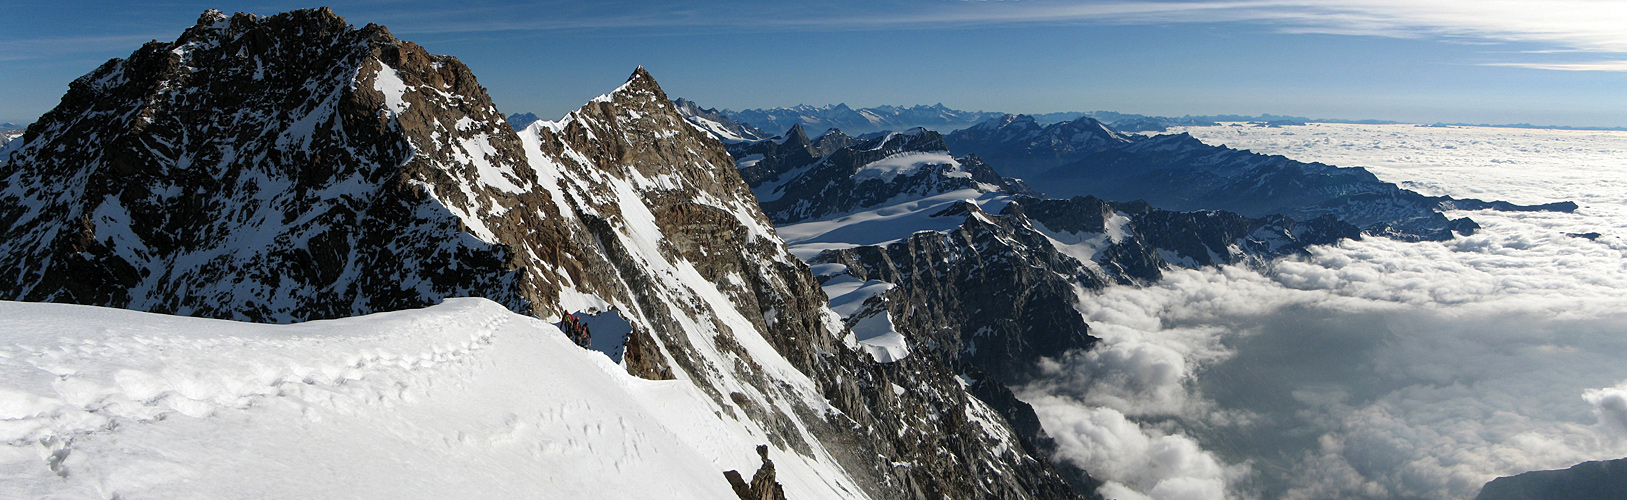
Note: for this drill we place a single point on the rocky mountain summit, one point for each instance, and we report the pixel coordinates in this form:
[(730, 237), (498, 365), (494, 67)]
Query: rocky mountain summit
[(293, 167), (1179, 172)]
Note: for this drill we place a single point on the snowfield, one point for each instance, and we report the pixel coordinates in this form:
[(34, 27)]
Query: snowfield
[(907, 164), (461, 400)]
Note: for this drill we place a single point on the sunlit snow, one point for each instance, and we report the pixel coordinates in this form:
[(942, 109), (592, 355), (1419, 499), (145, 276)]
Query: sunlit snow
[(460, 400)]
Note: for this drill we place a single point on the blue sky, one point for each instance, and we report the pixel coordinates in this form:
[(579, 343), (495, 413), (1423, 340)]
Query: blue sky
[(1559, 62)]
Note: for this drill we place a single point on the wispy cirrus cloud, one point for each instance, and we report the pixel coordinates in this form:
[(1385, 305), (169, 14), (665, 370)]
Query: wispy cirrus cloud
[(41, 48), (1577, 26), (1582, 66), (1554, 26)]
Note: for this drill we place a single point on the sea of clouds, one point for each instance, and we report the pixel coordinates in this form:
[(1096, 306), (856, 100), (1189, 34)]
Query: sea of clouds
[(1374, 368)]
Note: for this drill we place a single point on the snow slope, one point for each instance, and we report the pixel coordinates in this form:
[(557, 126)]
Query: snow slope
[(460, 400)]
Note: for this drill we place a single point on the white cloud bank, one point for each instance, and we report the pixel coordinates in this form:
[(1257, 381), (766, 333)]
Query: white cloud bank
[(1372, 369)]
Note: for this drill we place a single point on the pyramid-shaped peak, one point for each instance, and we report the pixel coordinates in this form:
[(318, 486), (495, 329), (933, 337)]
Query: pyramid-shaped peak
[(640, 72), (641, 83), (641, 77), (797, 135)]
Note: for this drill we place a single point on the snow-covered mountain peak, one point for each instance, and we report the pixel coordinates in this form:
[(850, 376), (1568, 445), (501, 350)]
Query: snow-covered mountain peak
[(295, 168)]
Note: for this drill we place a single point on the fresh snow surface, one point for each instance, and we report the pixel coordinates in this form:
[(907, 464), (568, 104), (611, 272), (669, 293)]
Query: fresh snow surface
[(1085, 247), (713, 128), (389, 83), (885, 223), (875, 332), (749, 161), (879, 338), (461, 400), (906, 164), (848, 294)]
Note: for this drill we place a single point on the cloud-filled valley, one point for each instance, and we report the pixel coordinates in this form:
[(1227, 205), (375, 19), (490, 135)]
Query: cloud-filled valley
[(1374, 368)]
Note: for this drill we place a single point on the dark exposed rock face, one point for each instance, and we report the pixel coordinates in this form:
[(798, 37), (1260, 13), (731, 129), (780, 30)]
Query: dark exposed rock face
[(983, 295), (292, 167), (762, 486), (643, 357), (1601, 480), (234, 174)]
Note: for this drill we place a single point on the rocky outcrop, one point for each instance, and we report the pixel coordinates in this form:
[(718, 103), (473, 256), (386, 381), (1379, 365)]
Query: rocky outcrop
[(292, 167), (763, 485)]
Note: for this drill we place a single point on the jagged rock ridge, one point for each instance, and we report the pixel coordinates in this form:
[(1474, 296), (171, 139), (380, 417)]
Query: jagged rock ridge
[(293, 167)]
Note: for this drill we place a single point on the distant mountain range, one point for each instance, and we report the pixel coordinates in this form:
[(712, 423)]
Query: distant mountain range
[(943, 119), (9, 131), (1086, 157), (1179, 172), (861, 120)]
